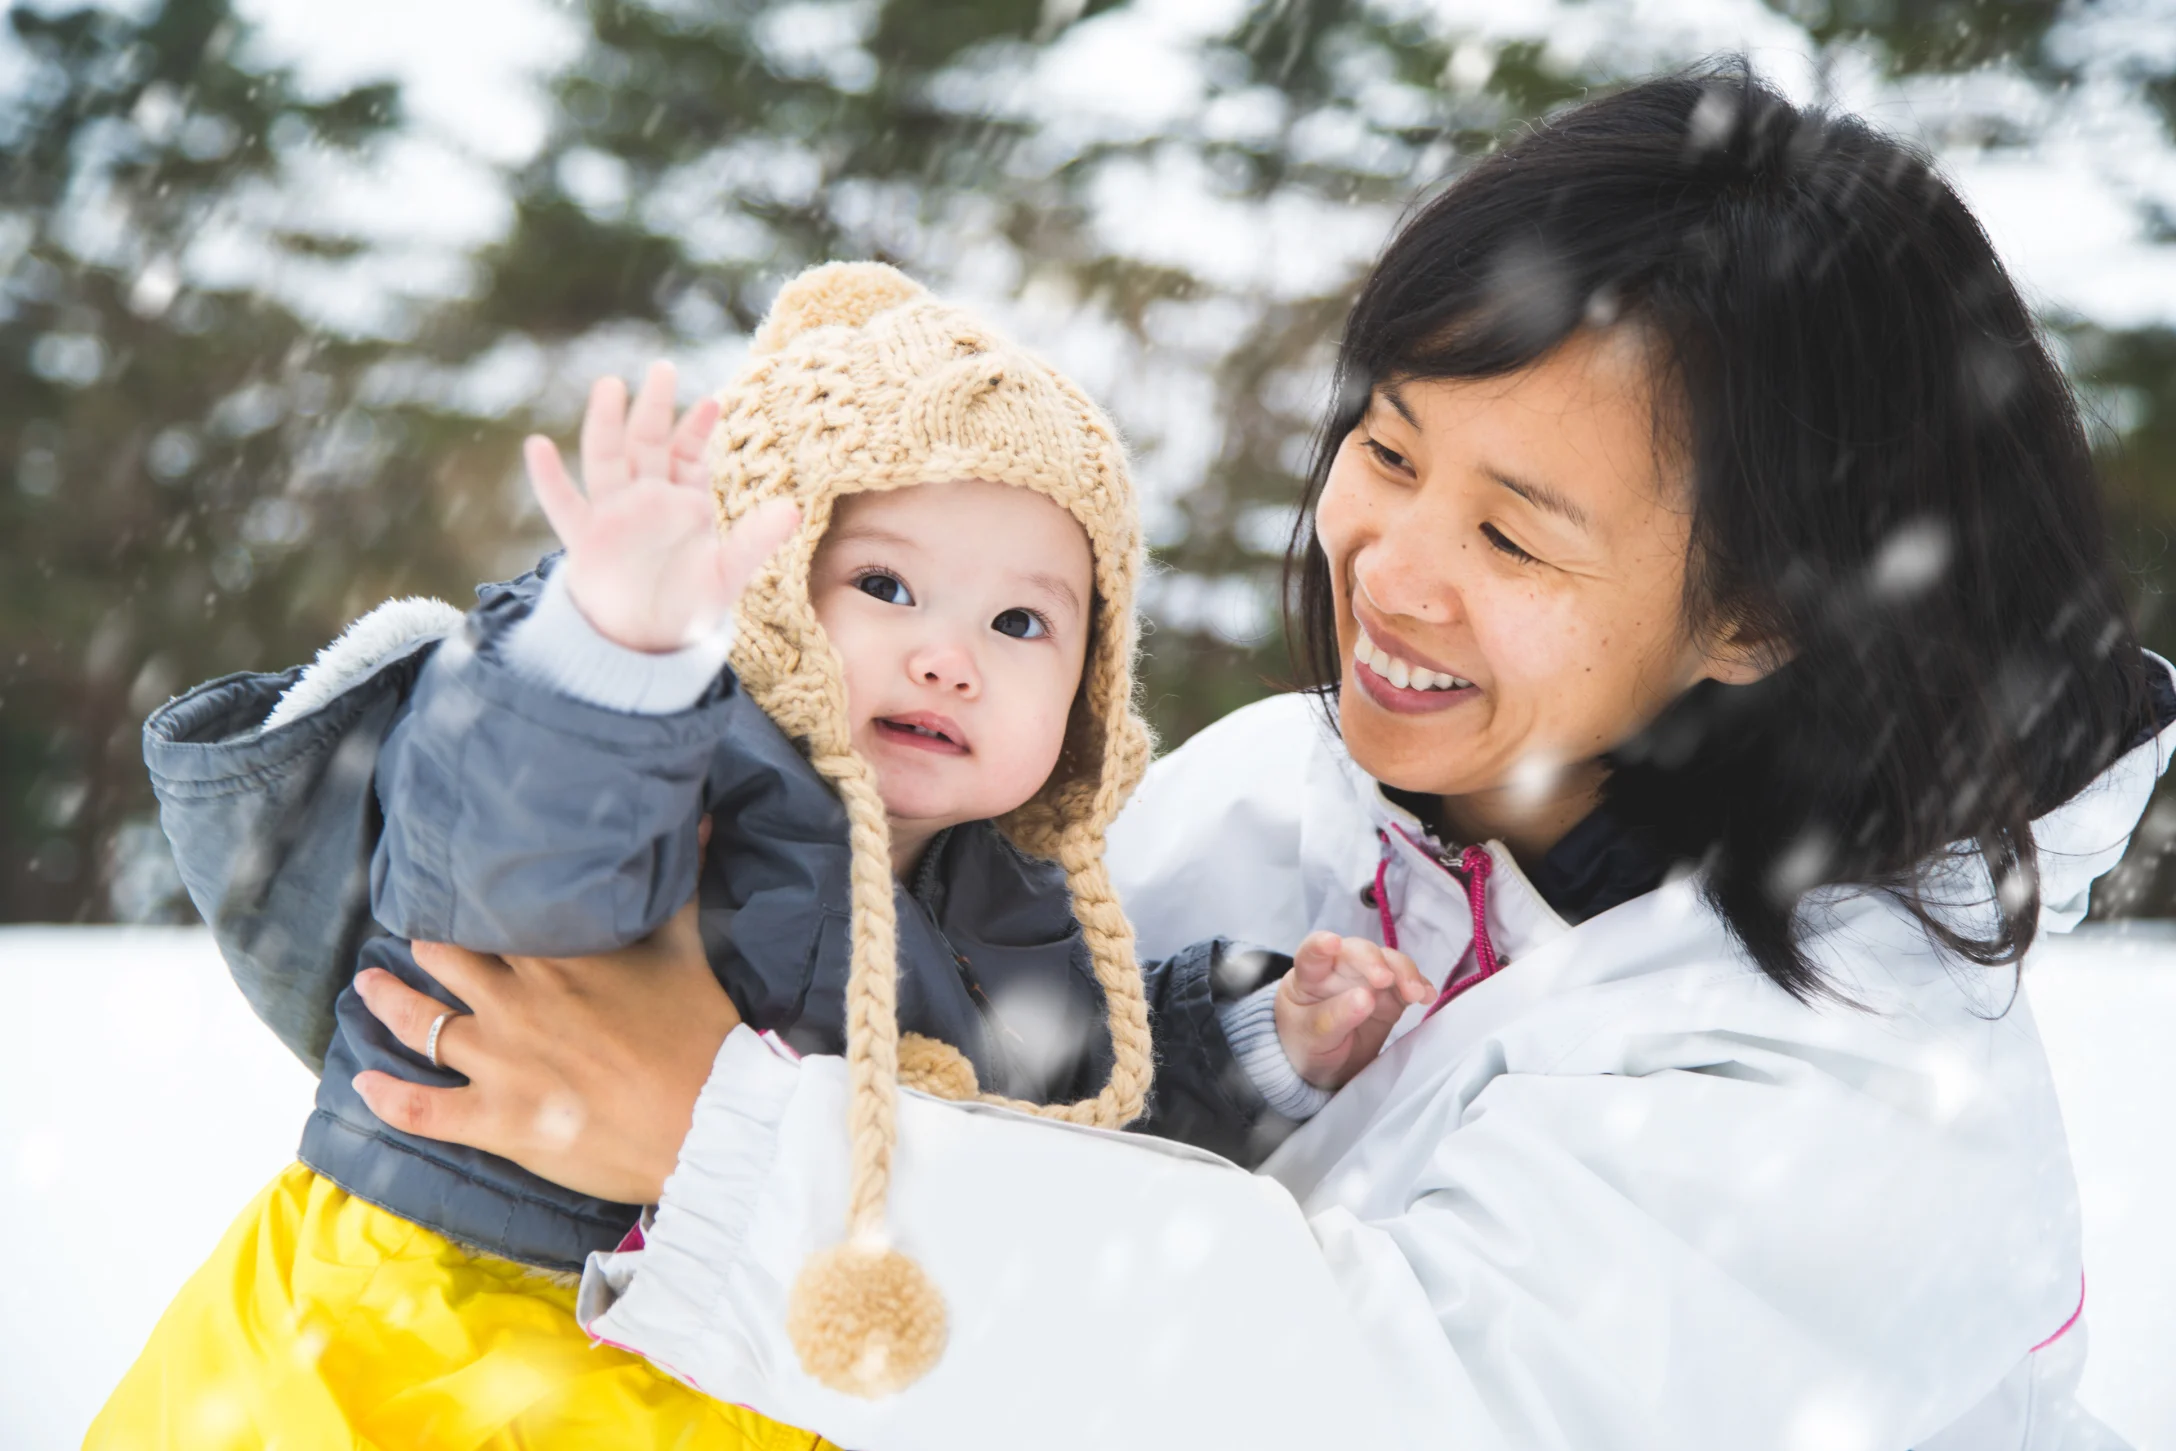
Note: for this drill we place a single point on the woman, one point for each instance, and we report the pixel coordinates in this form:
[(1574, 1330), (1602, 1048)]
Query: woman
[(1730, 680)]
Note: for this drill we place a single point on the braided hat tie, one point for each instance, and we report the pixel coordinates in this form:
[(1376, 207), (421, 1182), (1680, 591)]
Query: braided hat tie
[(862, 381)]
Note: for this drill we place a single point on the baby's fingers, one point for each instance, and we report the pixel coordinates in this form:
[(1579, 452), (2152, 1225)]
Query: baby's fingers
[(562, 503), (1412, 987), (689, 440), (1362, 962), (649, 425), (604, 438), (1314, 963)]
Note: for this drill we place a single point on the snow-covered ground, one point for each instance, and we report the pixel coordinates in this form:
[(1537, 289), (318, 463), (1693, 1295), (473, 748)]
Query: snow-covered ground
[(141, 1105)]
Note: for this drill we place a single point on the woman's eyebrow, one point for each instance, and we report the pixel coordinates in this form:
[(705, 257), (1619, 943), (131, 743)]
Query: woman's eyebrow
[(1541, 496), (1389, 394)]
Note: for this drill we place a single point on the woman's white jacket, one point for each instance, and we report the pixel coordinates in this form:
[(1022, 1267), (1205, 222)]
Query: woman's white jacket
[(1624, 1193)]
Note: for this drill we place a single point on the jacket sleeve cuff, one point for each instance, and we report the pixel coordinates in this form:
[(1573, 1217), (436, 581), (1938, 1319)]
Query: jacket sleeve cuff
[(555, 645), (1250, 1026), (661, 1300)]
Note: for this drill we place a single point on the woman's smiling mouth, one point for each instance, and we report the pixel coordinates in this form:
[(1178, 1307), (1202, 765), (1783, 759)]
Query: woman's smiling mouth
[(1398, 685), (1398, 672)]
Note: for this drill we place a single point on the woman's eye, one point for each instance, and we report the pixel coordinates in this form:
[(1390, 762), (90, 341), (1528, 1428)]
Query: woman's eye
[(889, 588), (1504, 545), (1021, 625), (1388, 458)]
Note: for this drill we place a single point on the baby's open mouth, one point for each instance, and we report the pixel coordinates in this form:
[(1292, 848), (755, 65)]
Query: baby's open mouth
[(924, 731)]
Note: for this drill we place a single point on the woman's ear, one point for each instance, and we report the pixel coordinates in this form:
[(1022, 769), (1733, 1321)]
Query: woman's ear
[(1741, 655)]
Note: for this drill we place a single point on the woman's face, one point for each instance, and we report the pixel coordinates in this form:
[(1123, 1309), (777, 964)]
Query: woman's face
[(1520, 543)]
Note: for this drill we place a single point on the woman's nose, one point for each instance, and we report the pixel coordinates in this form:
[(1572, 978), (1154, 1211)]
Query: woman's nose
[(947, 665), (1414, 583)]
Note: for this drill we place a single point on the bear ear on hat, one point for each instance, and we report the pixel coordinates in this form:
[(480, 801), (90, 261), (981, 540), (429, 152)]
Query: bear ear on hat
[(837, 294)]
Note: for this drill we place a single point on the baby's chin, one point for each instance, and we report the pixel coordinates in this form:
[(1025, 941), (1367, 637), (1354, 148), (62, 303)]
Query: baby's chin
[(925, 812), (930, 805), (927, 795), (915, 811)]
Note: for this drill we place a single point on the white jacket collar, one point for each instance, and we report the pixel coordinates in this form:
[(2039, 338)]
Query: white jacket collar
[(2076, 844)]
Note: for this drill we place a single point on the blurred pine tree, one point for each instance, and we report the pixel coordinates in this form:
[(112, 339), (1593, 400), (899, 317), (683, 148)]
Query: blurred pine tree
[(168, 450), (1171, 201)]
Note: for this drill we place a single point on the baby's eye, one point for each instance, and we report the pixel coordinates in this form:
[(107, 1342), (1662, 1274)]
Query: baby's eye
[(890, 588), (1021, 625)]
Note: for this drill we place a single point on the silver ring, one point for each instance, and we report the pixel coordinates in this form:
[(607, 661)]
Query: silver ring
[(430, 1044)]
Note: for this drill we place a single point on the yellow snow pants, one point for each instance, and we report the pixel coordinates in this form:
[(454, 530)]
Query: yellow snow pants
[(322, 1322)]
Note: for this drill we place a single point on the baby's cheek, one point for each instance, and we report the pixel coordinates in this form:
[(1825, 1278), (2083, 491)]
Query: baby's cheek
[(860, 655), (1030, 754)]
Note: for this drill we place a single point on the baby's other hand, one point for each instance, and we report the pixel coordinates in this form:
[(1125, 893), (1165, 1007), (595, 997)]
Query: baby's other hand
[(1336, 1005), (646, 562)]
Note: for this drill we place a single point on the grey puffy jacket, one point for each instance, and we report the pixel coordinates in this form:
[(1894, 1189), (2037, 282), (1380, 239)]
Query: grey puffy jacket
[(440, 796)]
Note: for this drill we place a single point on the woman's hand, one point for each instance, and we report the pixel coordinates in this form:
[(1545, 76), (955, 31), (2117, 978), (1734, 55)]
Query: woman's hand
[(584, 1071)]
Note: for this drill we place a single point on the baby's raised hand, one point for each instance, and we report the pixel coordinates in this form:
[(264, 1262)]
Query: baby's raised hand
[(1336, 1005), (646, 562)]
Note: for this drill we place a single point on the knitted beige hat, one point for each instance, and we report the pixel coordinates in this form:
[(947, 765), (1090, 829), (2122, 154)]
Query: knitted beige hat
[(861, 381)]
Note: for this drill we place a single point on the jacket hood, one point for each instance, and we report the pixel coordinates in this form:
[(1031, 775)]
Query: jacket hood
[(2081, 840)]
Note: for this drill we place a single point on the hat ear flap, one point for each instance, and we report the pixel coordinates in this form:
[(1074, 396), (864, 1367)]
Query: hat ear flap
[(837, 294)]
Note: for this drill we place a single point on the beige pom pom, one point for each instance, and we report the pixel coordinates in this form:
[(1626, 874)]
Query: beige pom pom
[(865, 1321), (936, 1068), (839, 293)]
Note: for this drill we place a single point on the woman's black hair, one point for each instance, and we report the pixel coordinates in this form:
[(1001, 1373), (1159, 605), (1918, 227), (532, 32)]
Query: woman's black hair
[(1889, 480)]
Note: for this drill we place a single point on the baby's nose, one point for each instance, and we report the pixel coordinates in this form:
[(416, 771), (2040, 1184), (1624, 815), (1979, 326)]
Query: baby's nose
[(946, 667)]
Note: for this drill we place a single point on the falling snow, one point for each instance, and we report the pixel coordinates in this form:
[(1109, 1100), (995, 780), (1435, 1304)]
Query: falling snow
[(244, 416)]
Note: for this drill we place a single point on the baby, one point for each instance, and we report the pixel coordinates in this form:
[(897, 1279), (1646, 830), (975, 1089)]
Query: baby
[(908, 775)]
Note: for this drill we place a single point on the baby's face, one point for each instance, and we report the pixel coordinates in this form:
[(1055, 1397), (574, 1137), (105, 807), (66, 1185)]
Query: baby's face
[(961, 612)]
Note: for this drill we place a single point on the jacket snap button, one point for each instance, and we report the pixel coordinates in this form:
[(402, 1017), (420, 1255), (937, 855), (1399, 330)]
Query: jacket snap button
[(1367, 895)]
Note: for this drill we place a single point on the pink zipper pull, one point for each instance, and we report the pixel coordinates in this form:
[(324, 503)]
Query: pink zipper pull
[(1382, 893), (1476, 863)]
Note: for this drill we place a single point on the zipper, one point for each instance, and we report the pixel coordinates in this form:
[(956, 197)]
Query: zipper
[(1471, 869), (1382, 896), (968, 980)]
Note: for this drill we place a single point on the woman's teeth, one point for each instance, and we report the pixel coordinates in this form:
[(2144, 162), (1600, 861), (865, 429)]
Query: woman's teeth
[(1398, 672)]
